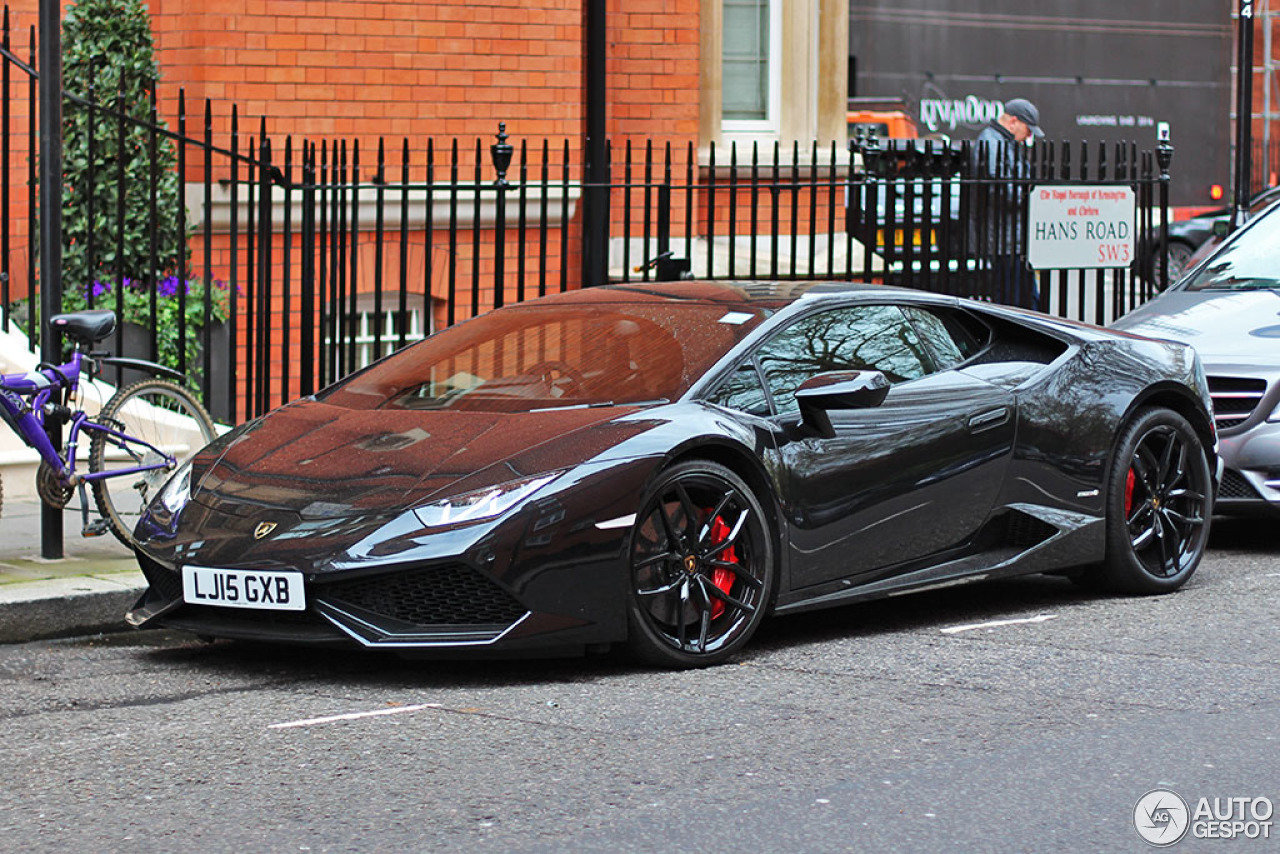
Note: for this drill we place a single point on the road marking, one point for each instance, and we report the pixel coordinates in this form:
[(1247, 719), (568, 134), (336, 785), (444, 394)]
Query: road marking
[(1039, 618), (351, 716)]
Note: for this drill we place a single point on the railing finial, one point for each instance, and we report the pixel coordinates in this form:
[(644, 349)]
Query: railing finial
[(501, 152)]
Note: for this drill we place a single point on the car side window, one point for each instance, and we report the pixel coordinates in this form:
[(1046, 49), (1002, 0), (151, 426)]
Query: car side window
[(949, 337), (744, 391), (854, 338)]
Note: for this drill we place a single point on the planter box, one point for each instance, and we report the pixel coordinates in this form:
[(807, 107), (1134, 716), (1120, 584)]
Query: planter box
[(137, 345)]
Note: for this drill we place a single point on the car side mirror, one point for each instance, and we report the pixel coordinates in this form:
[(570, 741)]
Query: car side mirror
[(824, 392), (1221, 227)]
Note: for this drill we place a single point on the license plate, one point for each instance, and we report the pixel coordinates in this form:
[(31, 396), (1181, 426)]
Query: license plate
[(240, 588)]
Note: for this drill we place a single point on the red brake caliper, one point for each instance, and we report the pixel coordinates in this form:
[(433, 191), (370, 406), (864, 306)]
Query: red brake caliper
[(1128, 494), (721, 577)]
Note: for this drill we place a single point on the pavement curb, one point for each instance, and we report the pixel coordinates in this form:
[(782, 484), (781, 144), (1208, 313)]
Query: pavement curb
[(66, 605), (66, 608), (87, 591)]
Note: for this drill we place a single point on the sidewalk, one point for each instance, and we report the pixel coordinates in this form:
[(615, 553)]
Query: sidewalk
[(85, 592)]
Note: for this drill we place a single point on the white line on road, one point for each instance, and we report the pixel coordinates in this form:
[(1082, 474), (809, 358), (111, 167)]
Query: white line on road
[(351, 716), (1039, 618)]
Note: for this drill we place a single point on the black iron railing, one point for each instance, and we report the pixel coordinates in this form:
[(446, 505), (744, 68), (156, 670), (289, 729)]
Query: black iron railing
[(317, 256)]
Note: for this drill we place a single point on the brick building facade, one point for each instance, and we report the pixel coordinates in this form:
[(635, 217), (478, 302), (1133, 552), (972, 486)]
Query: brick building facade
[(368, 70)]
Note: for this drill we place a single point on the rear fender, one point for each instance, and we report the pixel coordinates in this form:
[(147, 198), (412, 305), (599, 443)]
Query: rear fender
[(141, 365)]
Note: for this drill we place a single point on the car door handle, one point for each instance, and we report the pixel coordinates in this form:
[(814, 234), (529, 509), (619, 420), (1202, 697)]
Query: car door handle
[(987, 420)]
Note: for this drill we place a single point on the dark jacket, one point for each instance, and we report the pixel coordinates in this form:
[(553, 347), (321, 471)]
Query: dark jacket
[(1001, 171)]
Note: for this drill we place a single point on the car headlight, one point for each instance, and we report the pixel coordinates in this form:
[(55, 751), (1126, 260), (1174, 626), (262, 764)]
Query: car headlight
[(482, 503), (173, 496)]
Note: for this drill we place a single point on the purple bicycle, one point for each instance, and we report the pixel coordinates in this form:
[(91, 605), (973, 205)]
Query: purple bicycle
[(137, 440)]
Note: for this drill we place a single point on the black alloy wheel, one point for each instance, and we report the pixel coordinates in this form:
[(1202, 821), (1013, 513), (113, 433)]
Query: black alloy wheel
[(1159, 504), (702, 567)]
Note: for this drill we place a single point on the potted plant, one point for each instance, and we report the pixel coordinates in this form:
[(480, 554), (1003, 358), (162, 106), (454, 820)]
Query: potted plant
[(174, 298)]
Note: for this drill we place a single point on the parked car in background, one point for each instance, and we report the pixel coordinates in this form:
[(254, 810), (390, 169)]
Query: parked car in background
[(916, 202), (1193, 239), (1228, 308)]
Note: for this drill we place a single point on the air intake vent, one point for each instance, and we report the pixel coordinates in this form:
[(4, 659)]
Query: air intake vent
[(450, 595), (1235, 486), (1235, 399), (164, 581), (1026, 531)]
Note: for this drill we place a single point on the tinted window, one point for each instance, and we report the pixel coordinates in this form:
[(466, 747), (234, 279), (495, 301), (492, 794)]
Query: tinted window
[(744, 391), (949, 336), (540, 356), (857, 338)]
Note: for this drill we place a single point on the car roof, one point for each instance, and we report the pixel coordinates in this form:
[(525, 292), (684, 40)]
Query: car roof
[(756, 294)]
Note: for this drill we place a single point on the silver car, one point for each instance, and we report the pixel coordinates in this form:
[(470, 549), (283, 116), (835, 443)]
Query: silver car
[(1228, 308)]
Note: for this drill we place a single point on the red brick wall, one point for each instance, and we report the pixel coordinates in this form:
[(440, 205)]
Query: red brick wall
[(396, 68), (369, 68), (23, 16), (443, 68), (364, 69), (653, 69)]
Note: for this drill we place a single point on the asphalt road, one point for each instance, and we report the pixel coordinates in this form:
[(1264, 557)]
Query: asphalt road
[(891, 726)]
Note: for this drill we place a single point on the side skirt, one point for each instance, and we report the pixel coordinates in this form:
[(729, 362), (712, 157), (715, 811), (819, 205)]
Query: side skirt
[(1079, 540)]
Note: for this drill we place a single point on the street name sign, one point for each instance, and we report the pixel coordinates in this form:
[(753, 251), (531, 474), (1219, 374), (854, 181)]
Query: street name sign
[(1074, 226)]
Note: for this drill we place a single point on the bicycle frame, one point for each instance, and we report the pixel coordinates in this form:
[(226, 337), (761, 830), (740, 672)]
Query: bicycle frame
[(27, 418)]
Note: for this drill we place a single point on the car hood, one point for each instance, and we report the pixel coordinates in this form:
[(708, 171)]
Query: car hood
[(1223, 326), (325, 462)]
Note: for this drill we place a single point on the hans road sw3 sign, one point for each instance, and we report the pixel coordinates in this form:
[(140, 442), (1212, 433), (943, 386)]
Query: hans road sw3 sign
[(1071, 227)]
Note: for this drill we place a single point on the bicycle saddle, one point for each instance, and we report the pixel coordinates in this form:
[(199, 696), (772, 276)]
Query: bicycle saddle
[(86, 327)]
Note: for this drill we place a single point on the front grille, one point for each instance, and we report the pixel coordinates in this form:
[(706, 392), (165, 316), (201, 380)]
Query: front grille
[(450, 595), (1235, 486), (1235, 399)]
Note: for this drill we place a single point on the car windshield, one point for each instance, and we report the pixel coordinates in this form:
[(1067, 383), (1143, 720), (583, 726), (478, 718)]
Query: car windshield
[(552, 356), (1248, 263)]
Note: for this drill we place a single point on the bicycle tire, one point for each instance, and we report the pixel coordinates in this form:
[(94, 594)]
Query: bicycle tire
[(156, 411)]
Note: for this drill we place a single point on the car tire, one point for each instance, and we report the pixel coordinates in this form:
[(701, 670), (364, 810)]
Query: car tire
[(701, 567), (1159, 505)]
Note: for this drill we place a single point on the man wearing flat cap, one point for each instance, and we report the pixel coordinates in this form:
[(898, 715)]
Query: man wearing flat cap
[(1000, 164), (1019, 122)]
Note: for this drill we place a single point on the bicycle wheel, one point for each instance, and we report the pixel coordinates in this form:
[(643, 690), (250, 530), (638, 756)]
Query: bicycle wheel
[(164, 423)]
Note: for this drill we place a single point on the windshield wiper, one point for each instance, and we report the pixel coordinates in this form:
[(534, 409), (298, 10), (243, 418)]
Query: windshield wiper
[(595, 405), (602, 403), (1234, 284)]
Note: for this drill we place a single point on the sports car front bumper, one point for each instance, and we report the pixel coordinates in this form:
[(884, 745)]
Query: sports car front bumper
[(550, 575), (447, 604), (432, 606)]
